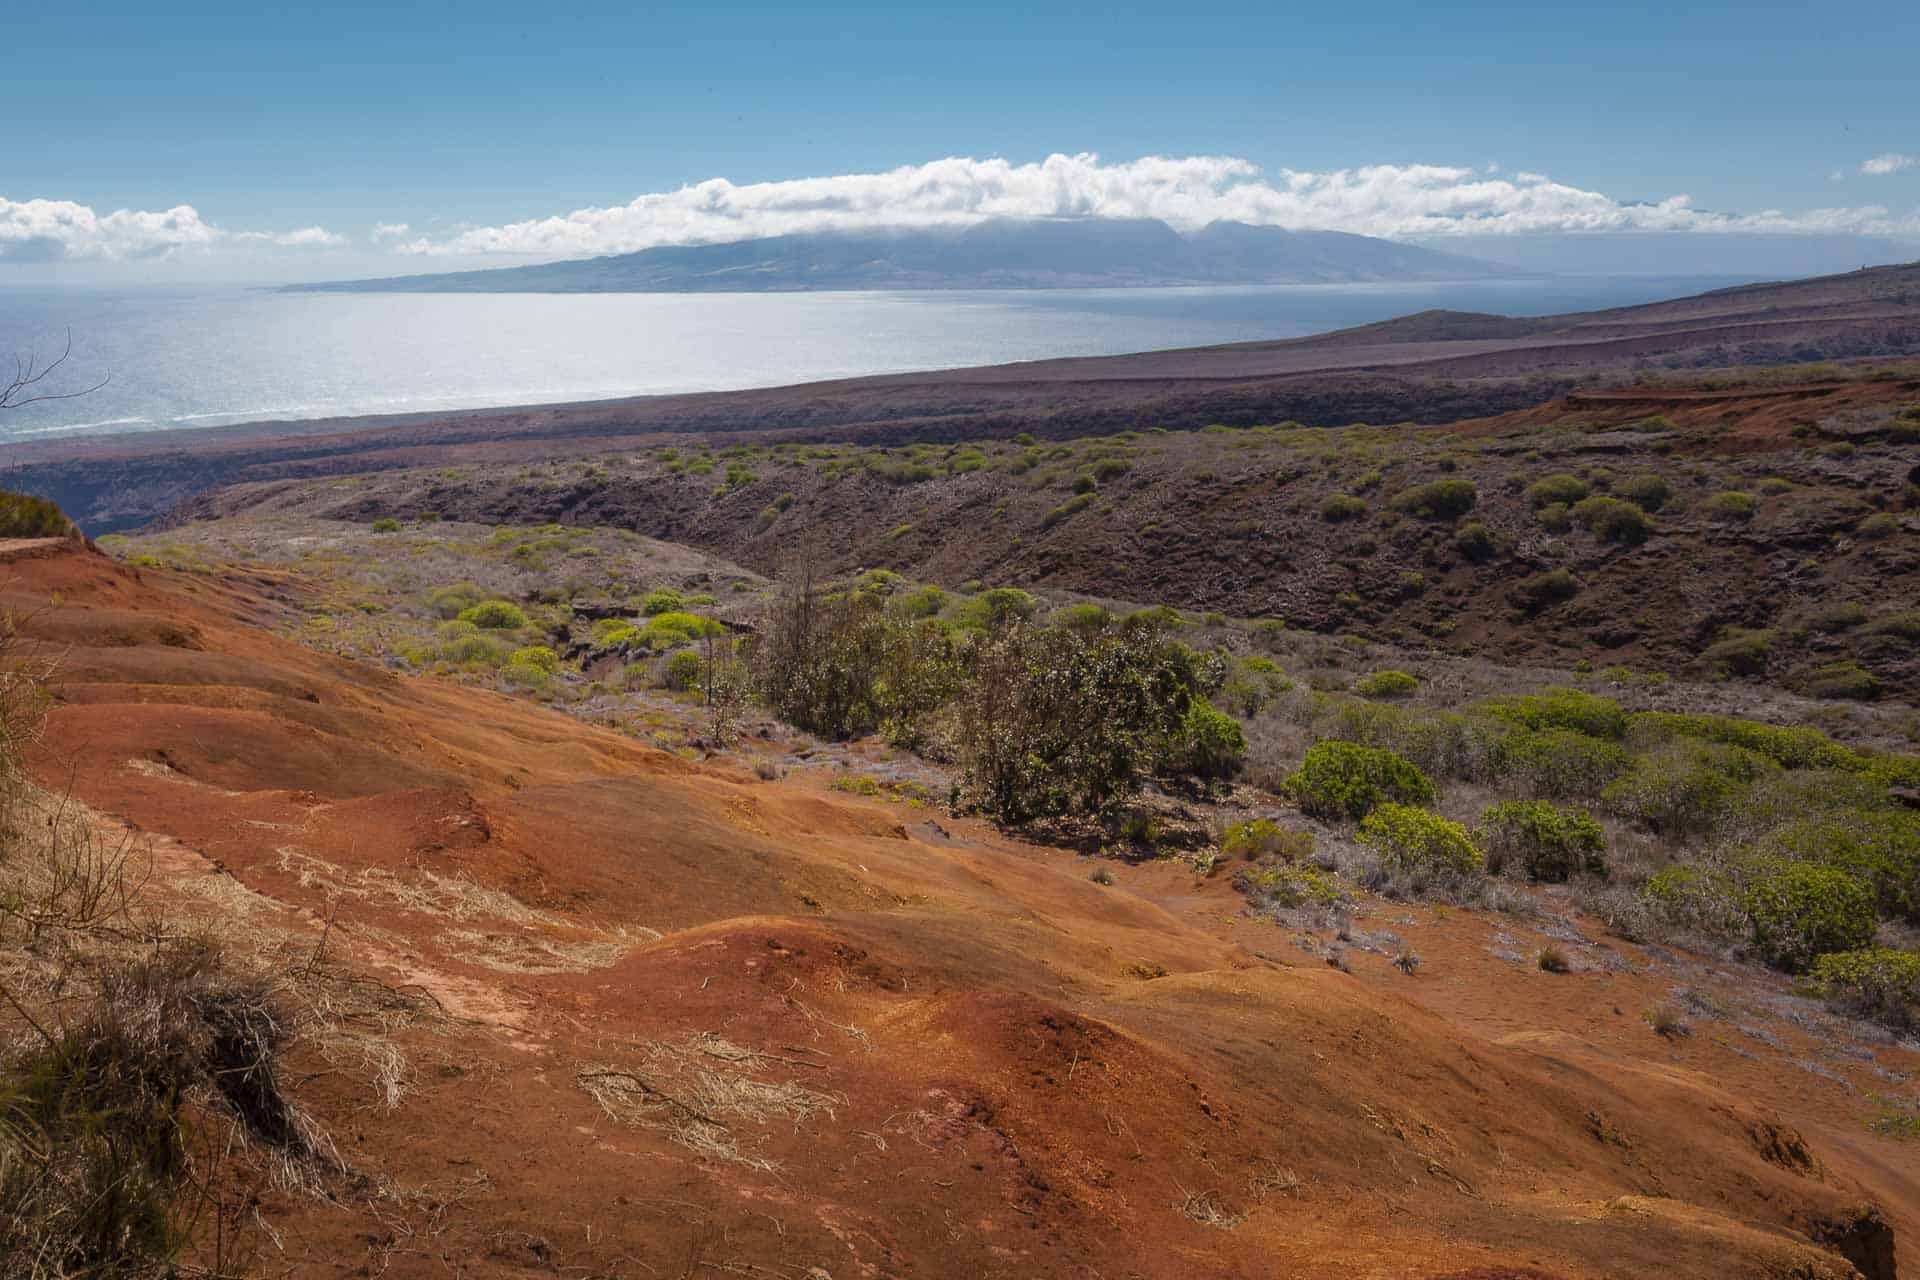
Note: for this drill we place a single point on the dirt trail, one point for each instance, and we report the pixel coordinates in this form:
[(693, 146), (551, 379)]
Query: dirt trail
[(692, 1022)]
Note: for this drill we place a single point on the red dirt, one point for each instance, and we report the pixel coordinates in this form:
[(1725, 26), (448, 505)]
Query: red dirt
[(1002, 1092)]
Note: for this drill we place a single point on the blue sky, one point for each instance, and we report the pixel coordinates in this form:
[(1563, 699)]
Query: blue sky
[(333, 120)]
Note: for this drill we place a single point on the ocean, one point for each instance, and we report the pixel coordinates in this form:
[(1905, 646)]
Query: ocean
[(194, 357)]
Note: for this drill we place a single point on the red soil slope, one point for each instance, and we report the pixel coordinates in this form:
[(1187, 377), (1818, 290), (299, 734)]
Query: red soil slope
[(850, 1043)]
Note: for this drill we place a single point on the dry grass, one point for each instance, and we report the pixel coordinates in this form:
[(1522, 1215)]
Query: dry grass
[(701, 1093)]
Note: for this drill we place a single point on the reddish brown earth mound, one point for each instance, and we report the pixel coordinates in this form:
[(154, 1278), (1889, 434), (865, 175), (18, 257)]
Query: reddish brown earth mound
[(663, 1018)]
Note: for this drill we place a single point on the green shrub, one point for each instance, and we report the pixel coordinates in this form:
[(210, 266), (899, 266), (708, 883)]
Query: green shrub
[(1693, 898), (1290, 886), (455, 598), (1799, 912), (24, 515), (1437, 499), (1385, 684), (1876, 527), (386, 524), (681, 670), (1550, 844), (539, 656), (1561, 708), (495, 615), (1879, 846), (1562, 490), (994, 608), (1560, 762), (1080, 617), (1875, 982), (1685, 787), (1264, 838), (1211, 742), (1731, 506), (1346, 780), (611, 633), (1739, 652), (661, 600), (1555, 517), (1848, 680), (474, 648), (1415, 841), (1071, 507), (1645, 490), (1542, 591), (1474, 541), (671, 630), (921, 602), (1613, 520), (1902, 627), (1842, 616), (1342, 507), (1790, 748)]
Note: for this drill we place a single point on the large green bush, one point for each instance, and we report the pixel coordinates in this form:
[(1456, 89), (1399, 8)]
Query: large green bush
[(495, 615), (1542, 591), (1549, 843), (1880, 847), (1385, 684), (1414, 841), (1346, 780), (1613, 520), (1260, 838), (1561, 708), (1560, 762), (26, 515), (1686, 787), (1211, 741), (1731, 506), (1875, 982), (1562, 489), (1646, 490), (1800, 912), (1437, 499)]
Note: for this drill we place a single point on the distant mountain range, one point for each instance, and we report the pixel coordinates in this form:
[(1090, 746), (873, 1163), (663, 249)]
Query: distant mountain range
[(1000, 254)]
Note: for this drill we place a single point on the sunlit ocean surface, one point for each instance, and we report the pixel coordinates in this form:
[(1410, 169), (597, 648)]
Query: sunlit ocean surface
[(180, 357)]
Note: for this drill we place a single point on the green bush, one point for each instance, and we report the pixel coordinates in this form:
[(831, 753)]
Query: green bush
[(1550, 844), (1842, 616), (1563, 490), (1902, 628), (1875, 982), (1415, 841), (24, 515), (661, 600), (1437, 499), (454, 599), (1879, 846), (1731, 506), (1385, 684), (1613, 520), (673, 629), (1800, 912), (1543, 591), (1080, 617), (1560, 762), (1739, 652), (1561, 708), (473, 648), (1877, 526), (1646, 490), (610, 633), (386, 524), (1693, 898), (1342, 507), (1211, 742), (1071, 507), (681, 670), (996, 607), (1848, 680), (495, 615), (1346, 780), (1686, 787), (1789, 748), (1265, 838), (921, 602), (1474, 541), (539, 656)]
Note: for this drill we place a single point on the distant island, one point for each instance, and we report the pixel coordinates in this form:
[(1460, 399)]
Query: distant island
[(1077, 253)]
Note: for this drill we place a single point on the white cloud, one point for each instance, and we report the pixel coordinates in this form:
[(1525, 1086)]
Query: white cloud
[(1379, 200), (1891, 162), (56, 230), (389, 230)]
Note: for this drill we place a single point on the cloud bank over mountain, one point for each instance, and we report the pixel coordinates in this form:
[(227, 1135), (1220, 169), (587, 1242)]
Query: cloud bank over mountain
[(1403, 202), (1393, 201)]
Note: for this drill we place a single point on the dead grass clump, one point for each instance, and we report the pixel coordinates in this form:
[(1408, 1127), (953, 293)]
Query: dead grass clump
[(114, 1126), (699, 1091)]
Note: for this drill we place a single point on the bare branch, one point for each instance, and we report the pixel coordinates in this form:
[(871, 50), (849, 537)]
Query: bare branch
[(28, 373)]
